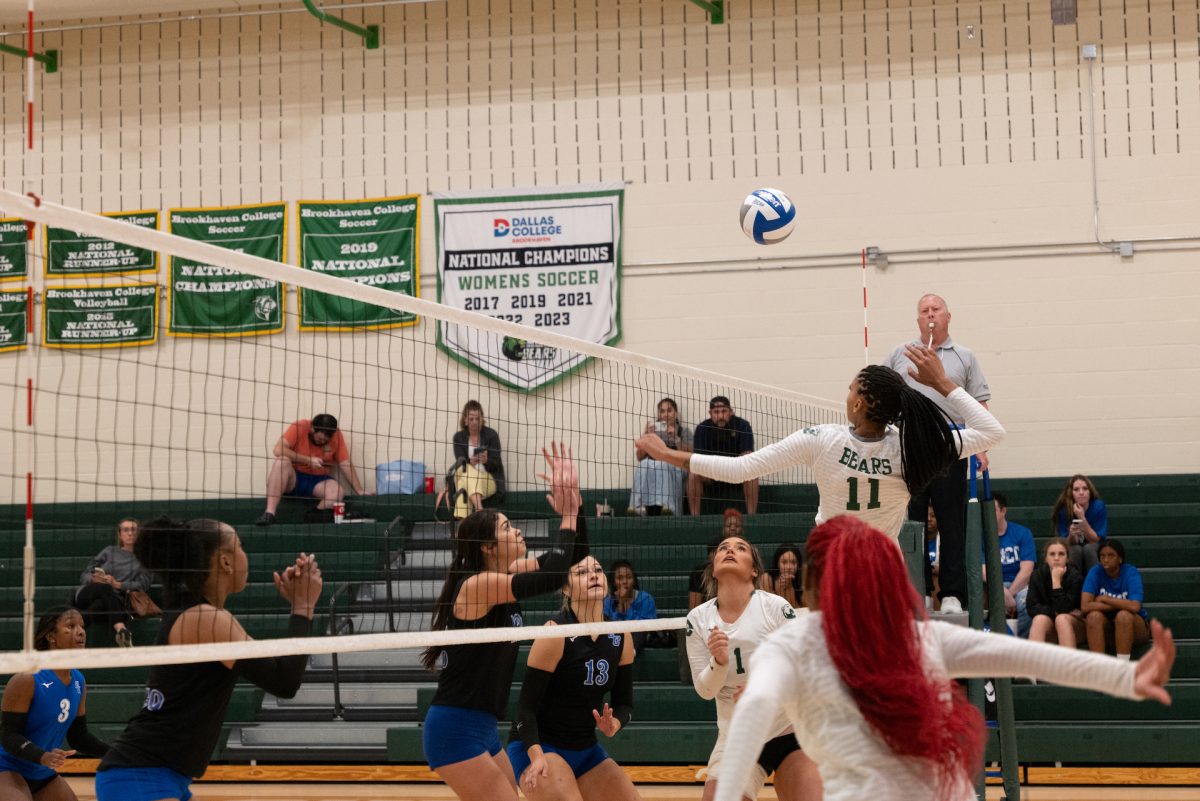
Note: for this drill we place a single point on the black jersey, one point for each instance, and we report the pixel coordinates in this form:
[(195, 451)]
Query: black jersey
[(479, 676), (586, 672), (180, 723)]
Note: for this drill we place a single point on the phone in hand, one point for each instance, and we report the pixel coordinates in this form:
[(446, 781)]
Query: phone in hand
[(99, 571)]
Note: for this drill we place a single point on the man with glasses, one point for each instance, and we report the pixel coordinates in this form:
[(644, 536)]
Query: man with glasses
[(722, 434)]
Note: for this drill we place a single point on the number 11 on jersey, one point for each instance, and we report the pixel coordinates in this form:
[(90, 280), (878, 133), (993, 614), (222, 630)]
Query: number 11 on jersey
[(852, 504)]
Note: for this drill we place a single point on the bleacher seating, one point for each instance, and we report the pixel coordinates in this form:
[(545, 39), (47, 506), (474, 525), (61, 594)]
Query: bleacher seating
[(1157, 517)]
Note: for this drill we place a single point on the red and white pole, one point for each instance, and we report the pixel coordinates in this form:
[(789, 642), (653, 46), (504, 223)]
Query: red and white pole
[(30, 65)]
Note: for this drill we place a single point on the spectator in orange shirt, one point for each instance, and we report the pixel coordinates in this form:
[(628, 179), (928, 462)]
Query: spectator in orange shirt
[(308, 458)]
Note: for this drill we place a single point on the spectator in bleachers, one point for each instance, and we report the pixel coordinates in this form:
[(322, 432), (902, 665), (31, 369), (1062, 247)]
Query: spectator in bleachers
[(1112, 602), (479, 464), (627, 601), (722, 434), (658, 486), (785, 573), (105, 584), (308, 458), (933, 547), (1017, 555), (1054, 598), (1081, 517)]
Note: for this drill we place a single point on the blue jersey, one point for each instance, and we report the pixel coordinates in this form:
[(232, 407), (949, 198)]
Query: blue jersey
[(1016, 546), (1127, 585), (51, 713)]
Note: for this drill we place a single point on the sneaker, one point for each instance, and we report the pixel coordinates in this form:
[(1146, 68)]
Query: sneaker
[(124, 638), (951, 605), (265, 519)]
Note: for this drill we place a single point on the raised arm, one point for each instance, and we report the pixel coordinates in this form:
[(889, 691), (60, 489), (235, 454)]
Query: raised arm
[(974, 654), (801, 447)]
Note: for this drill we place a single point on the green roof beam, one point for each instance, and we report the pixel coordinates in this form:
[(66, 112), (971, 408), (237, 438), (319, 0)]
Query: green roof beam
[(369, 34)]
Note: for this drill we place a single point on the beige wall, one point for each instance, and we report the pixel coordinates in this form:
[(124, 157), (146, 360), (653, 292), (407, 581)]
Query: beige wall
[(889, 124)]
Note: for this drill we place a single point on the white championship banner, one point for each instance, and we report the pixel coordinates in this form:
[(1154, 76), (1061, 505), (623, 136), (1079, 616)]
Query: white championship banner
[(550, 261)]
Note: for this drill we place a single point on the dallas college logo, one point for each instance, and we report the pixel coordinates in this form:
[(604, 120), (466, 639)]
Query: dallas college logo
[(500, 227)]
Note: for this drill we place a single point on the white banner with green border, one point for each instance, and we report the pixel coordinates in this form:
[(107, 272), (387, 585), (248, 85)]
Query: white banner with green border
[(549, 259)]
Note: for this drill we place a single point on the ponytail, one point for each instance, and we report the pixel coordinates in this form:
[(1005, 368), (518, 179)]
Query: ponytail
[(180, 553), (474, 531), (870, 615), (929, 445)]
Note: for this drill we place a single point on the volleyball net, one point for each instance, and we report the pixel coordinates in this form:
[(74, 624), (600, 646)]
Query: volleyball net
[(120, 410)]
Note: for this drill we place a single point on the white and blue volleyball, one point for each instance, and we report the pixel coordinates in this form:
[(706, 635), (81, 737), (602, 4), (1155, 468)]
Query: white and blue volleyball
[(768, 216)]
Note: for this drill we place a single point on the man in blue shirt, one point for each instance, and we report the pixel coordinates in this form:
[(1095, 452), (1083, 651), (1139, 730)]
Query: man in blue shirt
[(1017, 555), (723, 434)]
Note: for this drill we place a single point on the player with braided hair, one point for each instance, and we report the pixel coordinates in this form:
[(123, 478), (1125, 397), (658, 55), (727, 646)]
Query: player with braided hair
[(866, 679), (897, 442)]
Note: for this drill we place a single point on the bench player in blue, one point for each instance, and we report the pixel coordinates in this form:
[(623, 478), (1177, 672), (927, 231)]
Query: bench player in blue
[(39, 711)]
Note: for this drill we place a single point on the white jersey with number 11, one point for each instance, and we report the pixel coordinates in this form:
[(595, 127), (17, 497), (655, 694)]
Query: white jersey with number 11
[(855, 476)]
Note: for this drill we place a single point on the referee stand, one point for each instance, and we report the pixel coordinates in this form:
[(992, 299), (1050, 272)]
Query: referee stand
[(982, 532), (981, 529)]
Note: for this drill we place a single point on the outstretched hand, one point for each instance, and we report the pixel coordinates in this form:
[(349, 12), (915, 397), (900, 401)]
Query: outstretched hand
[(929, 370), (1154, 669), (652, 445), (563, 497)]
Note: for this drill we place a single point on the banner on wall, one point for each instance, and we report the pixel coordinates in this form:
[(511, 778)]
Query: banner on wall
[(100, 317), (14, 318), (550, 260), (372, 242), (206, 300), (13, 236), (69, 253)]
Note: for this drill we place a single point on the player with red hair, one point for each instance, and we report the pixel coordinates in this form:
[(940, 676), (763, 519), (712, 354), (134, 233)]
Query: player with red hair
[(866, 680)]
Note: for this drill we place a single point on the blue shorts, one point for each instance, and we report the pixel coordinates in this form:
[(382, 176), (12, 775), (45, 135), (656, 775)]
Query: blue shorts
[(141, 784), (33, 771), (580, 761), (305, 484), (453, 734)]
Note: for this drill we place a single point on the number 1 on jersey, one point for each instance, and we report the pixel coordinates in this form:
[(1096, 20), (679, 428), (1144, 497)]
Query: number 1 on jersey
[(852, 504)]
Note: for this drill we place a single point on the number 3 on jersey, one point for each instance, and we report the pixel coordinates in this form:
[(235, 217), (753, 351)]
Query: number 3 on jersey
[(852, 504)]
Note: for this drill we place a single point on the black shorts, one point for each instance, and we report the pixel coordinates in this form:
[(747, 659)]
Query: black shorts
[(776, 750)]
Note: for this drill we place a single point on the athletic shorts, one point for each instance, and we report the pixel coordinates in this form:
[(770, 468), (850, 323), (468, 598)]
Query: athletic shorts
[(31, 771), (773, 753), (453, 734), (305, 484), (141, 784), (35, 785), (580, 761)]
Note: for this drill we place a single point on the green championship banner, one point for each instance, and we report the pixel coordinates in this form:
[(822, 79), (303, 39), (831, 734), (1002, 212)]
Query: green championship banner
[(207, 300), (14, 318), (13, 236), (100, 317), (550, 261), (69, 253), (372, 242)]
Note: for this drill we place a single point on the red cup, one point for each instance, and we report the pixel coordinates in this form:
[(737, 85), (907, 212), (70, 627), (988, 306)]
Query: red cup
[(428, 485), (339, 512)]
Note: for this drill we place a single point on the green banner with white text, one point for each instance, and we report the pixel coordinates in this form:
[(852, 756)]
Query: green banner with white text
[(208, 300), (69, 253), (13, 261), (372, 242), (100, 317), (14, 318)]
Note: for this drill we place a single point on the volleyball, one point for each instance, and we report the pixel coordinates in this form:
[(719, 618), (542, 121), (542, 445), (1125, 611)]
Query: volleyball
[(768, 216)]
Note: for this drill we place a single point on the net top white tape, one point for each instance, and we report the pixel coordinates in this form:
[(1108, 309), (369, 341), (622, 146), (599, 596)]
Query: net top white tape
[(47, 213), (25, 661)]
